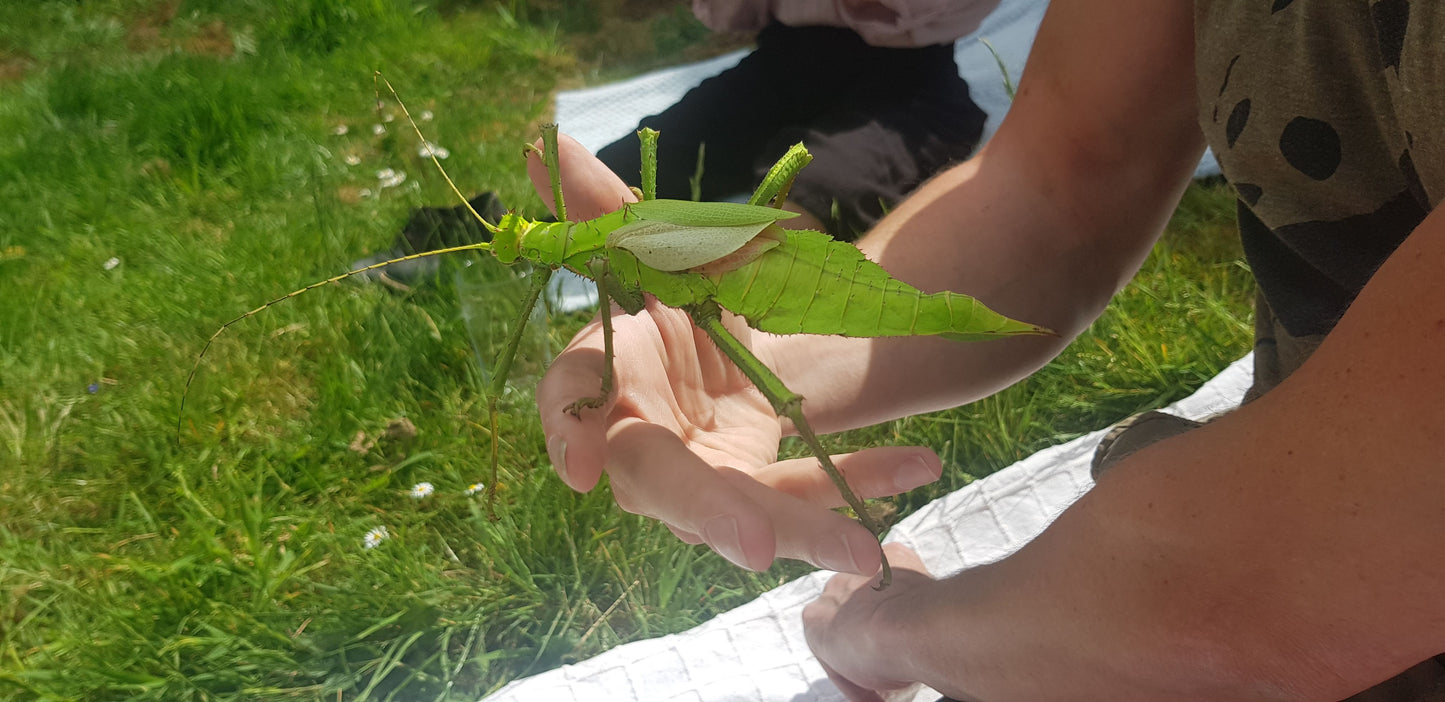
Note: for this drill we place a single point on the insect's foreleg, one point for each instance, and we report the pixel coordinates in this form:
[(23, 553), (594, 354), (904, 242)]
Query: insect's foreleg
[(648, 143), (786, 403), (599, 270), (779, 180), (504, 367), (552, 161)]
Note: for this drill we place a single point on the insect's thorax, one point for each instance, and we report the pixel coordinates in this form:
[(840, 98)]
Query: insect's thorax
[(563, 243)]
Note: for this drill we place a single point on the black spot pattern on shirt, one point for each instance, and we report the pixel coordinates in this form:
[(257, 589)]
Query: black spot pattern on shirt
[(1249, 193), (1280, 5), (1412, 180), (1311, 271), (1311, 146), (1391, 18), (1228, 70), (1237, 119), (1225, 83)]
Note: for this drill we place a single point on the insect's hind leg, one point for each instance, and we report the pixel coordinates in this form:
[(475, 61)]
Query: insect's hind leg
[(786, 403)]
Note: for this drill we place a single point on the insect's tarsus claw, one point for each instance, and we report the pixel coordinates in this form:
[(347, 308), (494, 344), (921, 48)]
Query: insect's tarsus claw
[(575, 409)]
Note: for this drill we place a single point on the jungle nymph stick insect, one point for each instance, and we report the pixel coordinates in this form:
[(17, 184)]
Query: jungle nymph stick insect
[(704, 258)]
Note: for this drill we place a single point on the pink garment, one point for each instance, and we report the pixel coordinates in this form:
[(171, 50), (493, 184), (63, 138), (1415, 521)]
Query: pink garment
[(893, 23)]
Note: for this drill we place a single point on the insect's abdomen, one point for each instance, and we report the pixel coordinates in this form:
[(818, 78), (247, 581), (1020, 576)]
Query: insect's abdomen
[(813, 284)]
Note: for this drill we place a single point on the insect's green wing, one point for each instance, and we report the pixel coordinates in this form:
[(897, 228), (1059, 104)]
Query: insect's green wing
[(813, 284), (675, 235), (673, 247), (706, 214)]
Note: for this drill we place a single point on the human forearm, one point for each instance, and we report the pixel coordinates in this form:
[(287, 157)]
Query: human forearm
[(1282, 552), (998, 229), (1044, 225)]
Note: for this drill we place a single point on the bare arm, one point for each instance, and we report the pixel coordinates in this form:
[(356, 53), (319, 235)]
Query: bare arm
[(1045, 224), (1290, 550)]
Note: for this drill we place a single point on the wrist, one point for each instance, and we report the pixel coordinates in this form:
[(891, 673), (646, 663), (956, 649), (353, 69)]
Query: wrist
[(910, 630)]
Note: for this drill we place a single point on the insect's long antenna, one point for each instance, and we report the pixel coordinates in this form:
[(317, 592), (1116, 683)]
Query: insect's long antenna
[(185, 392), (431, 153)]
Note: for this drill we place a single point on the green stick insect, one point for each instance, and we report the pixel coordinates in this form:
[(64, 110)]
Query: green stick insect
[(705, 258)]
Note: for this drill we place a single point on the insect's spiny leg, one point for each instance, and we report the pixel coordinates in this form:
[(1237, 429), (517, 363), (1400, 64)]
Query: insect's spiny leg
[(598, 268), (647, 138), (788, 404), (794, 412), (552, 161), (780, 177), (503, 369)]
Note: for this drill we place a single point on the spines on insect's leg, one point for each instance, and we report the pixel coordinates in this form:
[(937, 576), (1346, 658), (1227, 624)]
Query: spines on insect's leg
[(786, 403), (551, 160), (779, 180), (504, 368), (599, 270), (647, 138)]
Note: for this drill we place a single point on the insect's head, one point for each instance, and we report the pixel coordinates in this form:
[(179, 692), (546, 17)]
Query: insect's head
[(507, 237)]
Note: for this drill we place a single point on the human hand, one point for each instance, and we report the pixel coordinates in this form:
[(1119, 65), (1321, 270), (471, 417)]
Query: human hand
[(686, 438), (841, 627)]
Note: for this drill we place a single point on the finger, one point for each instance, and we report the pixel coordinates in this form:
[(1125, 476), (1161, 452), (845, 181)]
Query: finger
[(873, 472), (905, 558), (807, 532), (589, 187), (686, 537), (654, 474), (850, 690), (577, 444)]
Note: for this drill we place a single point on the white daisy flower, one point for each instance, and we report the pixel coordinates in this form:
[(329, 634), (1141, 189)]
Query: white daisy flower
[(421, 490), (475, 488), (340, 130), (374, 537), (426, 115), (378, 129), (389, 178), (352, 160), (111, 263), (430, 149)]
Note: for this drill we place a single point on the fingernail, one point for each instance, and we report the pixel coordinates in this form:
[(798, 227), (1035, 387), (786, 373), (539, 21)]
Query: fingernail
[(913, 473), (721, 533), (833, 554), (557, 451)]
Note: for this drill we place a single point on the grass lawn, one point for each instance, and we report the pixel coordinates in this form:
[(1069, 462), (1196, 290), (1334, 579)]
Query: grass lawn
[(170, 165)]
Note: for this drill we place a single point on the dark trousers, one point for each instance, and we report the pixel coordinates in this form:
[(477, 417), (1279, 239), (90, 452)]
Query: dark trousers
[(878, 122)]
